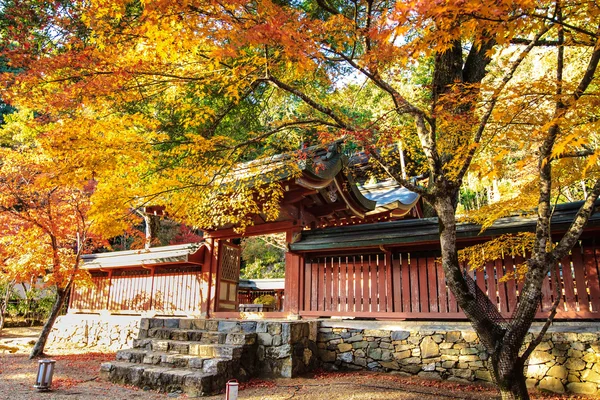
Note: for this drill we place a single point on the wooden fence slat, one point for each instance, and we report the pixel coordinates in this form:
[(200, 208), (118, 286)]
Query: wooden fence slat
[(414, 285), (511, 287), (343, 284), (581, 287), (432, 280), (389, 296), (336, 284), (397, 288), (518, 260), (307, 284), (501, 286), (491, 282), (569, 287), (366, 296), (403, 292), (423, 297), (374, 286), (352, 277), (328, 272), (320, 286), (441, 287), (591, 258)]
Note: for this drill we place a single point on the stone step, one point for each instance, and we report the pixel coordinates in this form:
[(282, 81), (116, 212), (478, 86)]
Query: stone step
[(193, 335), (188, 335), (192, 383), (173, 360)]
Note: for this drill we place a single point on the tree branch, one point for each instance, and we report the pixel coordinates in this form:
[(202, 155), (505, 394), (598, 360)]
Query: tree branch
[(492, 104)]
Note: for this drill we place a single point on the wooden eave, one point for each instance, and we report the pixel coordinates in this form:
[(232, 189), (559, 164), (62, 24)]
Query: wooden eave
[(177, 255), (426, 231)]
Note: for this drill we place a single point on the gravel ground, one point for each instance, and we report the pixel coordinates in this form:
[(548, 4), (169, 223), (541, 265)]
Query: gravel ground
[(76, 377)]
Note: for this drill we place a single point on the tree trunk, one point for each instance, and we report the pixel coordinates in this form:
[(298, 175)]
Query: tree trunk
[(509, 377), (38, 348)]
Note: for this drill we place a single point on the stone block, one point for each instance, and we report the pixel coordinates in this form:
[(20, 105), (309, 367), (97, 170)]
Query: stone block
[(261, 326), (551, 384), (411, 368), (400, 335), (590, 357), (274, 328), (156, 323), (264, 338), (373, 366), (411, 360), (468, 350), (540, 357), (390, 365), (375, 353), (531, 383), (590, 376), (355, 338), (376, 333), (249, 326), (344, 347), (429, 348), (462, 373), (557, 371), (582, 387), (360, 345), (429, 375), (468, 358), (448, 364), (145, 323), (185, 323), (428, 367), (277, 340), (360, 361), (278, 351), (470, 337), (537, 371), (575, 364), (327, 356), (483, 375)]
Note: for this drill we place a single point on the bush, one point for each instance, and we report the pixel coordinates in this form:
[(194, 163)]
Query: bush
[(266, 299)]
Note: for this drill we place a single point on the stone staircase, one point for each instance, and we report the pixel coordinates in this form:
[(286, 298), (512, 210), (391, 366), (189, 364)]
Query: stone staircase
[(194, 356)]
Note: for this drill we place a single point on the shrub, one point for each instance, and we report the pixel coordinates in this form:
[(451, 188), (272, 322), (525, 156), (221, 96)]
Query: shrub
[(266, 299)]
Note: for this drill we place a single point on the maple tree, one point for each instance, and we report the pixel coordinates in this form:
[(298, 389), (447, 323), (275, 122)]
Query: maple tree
[(47, 218), (495, 89)]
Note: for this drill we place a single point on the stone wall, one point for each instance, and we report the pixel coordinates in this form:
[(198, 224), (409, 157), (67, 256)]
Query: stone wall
[(106, 332), (287, 348), (564, 361)]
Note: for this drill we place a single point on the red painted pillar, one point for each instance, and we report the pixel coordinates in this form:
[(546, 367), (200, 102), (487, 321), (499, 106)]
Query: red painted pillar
[(293, 277)]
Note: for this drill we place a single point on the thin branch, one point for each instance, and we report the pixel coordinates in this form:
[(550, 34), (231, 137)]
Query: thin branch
[(492, 104), (311, 102)]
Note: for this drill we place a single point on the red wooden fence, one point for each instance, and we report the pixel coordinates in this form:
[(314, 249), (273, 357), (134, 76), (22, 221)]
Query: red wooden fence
[(164, 290), (412, 285)]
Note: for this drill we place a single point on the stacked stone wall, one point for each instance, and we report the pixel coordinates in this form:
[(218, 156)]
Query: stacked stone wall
[(286, 349), (564, 361), (109, 332)]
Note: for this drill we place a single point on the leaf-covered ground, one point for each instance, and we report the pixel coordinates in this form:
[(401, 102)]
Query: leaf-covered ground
[(76, 377)]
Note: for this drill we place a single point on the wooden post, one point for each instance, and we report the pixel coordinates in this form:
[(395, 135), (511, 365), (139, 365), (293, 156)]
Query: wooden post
[(293, 276)]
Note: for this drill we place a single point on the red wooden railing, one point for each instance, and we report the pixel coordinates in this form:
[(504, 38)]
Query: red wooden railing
[(164, 290), (412, 285)]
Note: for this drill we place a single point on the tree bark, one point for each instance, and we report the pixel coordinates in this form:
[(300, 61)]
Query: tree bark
[(61, 296)]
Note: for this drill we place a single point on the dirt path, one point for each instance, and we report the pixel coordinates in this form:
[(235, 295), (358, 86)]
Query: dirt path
[(76, 378)]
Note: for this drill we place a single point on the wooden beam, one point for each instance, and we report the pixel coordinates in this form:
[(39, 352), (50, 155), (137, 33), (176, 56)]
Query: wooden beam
[(297, 195), (265, 229), (326, 210)]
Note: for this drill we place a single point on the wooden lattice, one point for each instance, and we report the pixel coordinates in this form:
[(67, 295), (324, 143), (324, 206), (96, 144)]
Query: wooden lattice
[(230, 263)]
